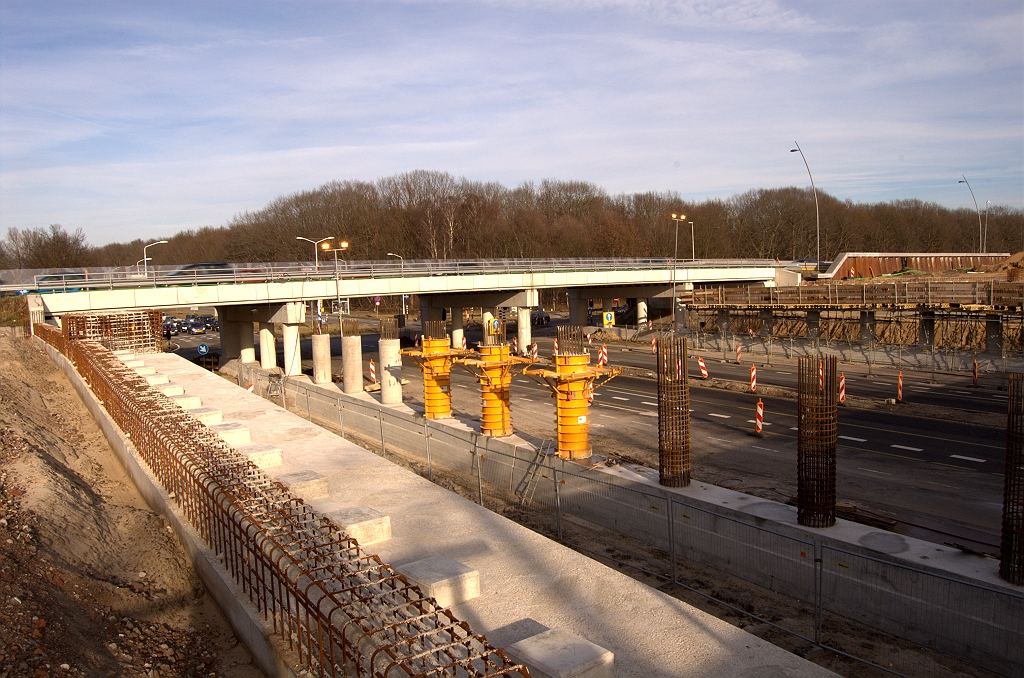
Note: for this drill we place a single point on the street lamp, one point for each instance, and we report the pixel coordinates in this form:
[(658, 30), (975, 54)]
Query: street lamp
[(987, 204), (675, 256), (392, 254), (693, 245), (343, 245), (316, 248), (817, 212), (137, 263), (145, 257), (964, 181)]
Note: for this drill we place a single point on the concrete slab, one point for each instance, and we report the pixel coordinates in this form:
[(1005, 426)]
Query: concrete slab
[(557, 653), (364, 524), (187, 402), (233, 433), (170, 389), (207, 415), (142, 371), (157, 379), (124, 353), (264, 456), (307, 484), (135, 363), (447, 581)]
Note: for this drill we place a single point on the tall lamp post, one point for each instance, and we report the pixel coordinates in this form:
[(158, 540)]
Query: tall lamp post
[(963, 180), (817, 212), (693, 245), (988, 203), (145, 257), (675, 257), (316, 248), (392, 254), (343, 245)]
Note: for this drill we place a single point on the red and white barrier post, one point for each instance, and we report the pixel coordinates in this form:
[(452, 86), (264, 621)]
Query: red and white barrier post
[(753, 378), (654, 346), (821, 377), (373, 372), (899, 387), (739, 353), (975, 371), (842, 388), (703, 368), (759, 419), (515, 346), (535, 353), (556, 346), (602, 355), (464, 344)]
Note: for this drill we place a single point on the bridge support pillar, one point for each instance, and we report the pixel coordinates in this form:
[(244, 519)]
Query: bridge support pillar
[(993, 334), (813, 319), (525, 336), (723, 333), (246, 346), (926, 330), (767, 323), (230, 340), (641, 313), (457, 332), (390, 372), (352, 362), (428, 312), (577, 309), (268, 346), (292, 350), (322, 359), (867, 328), (607, 305)]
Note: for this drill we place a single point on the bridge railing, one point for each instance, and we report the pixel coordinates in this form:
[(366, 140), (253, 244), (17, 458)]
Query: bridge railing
[(71, 281)]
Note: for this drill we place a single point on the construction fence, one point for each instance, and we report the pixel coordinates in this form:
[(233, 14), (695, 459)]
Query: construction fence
[(975, 623)]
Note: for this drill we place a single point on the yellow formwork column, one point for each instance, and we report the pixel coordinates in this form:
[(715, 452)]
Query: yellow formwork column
[(495, 379), (436, 360)]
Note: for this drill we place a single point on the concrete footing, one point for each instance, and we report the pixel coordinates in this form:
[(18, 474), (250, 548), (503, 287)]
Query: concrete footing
[(390, 372), (308, 485), (321, 358), (187, 402), (157, 379), (142, 370), (557, 653), (170, 390), (208, 415), (445, 580), (264, 456), (364, 524), (352, 364), (233, 433)]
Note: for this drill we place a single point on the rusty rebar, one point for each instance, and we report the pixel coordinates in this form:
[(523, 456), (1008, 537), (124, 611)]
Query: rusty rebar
[(137, 331), (570, 340), (350, 328), (435, 329), (1011, 560), (817, 408), (673, 412), (388, 328)]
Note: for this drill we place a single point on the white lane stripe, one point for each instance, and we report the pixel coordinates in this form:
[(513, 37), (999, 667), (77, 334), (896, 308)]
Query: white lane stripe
[(644, 402), (1001, 397), (921, 389), (763, 448), (909, 449), (529, 400), (720, 416), (856, 440), (963, 392), (642, 413), (721, 440), (957, 456), (794, 428), (871, 470), (751, 421), (784, 373), (620, 398)]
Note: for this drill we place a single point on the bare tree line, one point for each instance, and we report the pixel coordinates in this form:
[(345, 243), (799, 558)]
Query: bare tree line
[(430, 214)]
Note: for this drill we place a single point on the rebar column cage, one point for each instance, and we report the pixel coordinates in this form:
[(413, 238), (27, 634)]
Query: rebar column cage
[(570, 340), (817, 409), (1011, 560), (494, 332), (388, 328), (435, 329), (673, 412), (137, 331), (350, 328), (435, 360)]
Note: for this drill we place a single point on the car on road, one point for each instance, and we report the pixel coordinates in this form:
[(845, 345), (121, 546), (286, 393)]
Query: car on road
[(539, 317), (210, 323), (203, 269), (195, 327), (171, 327)]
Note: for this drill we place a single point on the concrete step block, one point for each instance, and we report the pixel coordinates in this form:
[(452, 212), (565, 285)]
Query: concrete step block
[(208, 415), (364, 524), (142, 370), (233, 433), (307, 485), (264, 456), (134, 363), (447, 581), (557, 653), (187, 402), (157, 379), (171, 389), (124, 352)]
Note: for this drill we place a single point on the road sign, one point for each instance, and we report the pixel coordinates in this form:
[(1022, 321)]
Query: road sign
[(609, 318), (495, 325), (376, 300), (203, 349)]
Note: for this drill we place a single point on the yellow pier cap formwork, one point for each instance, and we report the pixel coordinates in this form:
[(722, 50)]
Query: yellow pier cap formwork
[(493, 369), (572, 382), (436, 359)]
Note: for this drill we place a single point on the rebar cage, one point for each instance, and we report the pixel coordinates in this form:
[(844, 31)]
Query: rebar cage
[(137, 331), (388, 328), (570, 340), (817, 411), (673, 412), (1011, 561), (435, 329)]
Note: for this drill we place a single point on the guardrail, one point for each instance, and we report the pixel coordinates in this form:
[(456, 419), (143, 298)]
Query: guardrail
[(348, 270)]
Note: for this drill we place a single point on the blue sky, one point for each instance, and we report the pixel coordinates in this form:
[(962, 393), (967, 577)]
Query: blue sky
[(135, 119)]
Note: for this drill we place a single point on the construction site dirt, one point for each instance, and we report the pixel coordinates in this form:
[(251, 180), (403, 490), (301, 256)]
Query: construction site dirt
[(92, 583)]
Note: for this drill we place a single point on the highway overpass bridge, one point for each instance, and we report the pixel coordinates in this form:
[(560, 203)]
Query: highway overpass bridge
[(276, 293)]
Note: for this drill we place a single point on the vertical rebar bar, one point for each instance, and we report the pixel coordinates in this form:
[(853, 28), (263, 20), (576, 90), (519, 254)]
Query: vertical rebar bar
[(673, 412), (435, 329), (558, 503), (817, 408), (570, 340), (388, 328), (1011, 561)]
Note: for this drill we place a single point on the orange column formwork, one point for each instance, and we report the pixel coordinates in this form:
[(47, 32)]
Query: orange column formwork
[(435, 360), (495, 378)]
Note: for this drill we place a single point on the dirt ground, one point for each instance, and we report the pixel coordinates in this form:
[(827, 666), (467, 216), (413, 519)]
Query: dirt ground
[(92, 583)]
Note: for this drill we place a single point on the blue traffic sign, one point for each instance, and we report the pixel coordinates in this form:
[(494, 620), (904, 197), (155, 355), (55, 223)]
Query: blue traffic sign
[(203, 349)]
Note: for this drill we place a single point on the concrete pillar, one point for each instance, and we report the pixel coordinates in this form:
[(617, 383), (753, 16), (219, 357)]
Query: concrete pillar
[(607, 304), (813, 319), (322, 359), (457, 332), (352, 364), (867, 328), (926, 330), (723, 332), (641, 312), (268, 346), (247, 349), (767, 323), (993, 334), (390, 372), (428, 312), (577, 309), (525, 335), (230, 340), (292, 351), (485, 317)]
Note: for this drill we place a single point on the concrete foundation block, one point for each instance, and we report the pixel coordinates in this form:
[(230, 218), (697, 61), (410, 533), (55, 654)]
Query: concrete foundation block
[(134, 363), (233, 433), (142, 370), (187, 402), (157, 379), (124, 353), (264, 456), (557, 653), (208, 415), (447, 581), (170, 389), (307, 485), (364, 524)]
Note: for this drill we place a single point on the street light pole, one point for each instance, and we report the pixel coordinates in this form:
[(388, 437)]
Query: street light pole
[(316, 248), (145, 257), (987, 204), (675, 259), (981, 247), (817, 212), (693, 245), (392, 254)]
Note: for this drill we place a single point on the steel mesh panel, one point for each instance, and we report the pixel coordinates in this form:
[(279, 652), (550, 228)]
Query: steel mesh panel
[(1011, 562), (673, 413), (817, 400)]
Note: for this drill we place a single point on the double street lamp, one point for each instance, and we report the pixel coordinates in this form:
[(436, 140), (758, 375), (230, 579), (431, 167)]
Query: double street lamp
[(392, 254), (145, 257), (316, 248), (342, 246)]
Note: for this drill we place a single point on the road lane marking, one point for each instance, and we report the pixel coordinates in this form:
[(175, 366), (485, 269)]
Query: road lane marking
[(963, 392), (751, 421), (763, 448), (794, 428), (919, 389), (790, 373), (1000, 397), (871, 470), (644, 402), (957, 456), (529, 400), (643, 413), (721, 440), (856, 440), (909, 449), (720, 416), (620, 398)]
